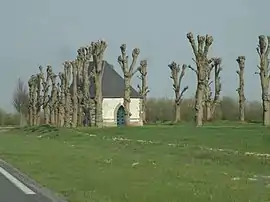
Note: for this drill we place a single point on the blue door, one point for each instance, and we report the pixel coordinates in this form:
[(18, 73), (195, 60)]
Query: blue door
[(120, 116)]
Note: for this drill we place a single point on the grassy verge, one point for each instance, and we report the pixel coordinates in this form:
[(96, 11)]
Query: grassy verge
[(147, 164)]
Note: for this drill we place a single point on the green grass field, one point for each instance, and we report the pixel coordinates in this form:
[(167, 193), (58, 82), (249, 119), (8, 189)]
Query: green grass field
[(221, 163)]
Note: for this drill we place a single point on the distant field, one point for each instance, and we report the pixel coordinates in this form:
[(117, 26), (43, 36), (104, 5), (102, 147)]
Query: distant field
[(221, 162)]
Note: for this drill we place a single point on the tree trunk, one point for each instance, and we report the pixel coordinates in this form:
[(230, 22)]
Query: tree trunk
[(177, 112), (74, 98), (34, 117), (92, 110), (75, 115), (30, 116), (38, 117), (66, 110), (144, 94), (265, 98), (79, 115), (266, 118), (144, 109), (266, 103), (52, 121), (56, 115), (208, 111), (241, 110), (98, 101), (213, 110), (199, 104), (127, 100), (46, 115), (61, 108), (60, 117)]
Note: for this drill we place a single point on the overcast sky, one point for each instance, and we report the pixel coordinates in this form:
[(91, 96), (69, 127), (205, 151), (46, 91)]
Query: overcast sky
[(39, 32)]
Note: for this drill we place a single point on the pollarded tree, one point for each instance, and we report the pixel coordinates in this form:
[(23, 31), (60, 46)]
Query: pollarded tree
[(74, 97), (53, 99), (211, 102), (177, 79), (58, 116), (263, 50), (39, 96), (241, 63), (98, 49), (128, 74), (67, 103), (84, 55), (143, 89), (46, 85), (200, 51), (61, 104), (208, 92), (81, 64), (32, 100), (86, 98)]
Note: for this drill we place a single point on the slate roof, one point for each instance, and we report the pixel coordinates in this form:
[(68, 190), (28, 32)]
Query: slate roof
[(112, 84)]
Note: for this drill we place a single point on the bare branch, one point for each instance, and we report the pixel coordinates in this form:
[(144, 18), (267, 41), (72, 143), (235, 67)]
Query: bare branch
[(139, 89), (262, 46), (184, 66), (134, 72), (194, 61), (135, 54), (175, 69), (182, 93), (123, 58), (208, 42), (193, 43), (268, 46), (97, 51), (201, 42), (258, 51), (193, 69)]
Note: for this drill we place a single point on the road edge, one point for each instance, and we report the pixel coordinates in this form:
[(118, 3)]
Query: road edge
[(31, 183)]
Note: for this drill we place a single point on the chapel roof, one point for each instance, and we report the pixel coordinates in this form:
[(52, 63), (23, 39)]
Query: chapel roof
[(112, 84)]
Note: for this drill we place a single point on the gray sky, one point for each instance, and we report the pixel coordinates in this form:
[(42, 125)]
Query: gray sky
[(39, 32)]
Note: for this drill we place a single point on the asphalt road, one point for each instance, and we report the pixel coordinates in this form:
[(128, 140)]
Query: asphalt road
[(12, 190)]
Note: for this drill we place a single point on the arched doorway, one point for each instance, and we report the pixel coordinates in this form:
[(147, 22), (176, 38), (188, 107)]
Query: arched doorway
[(120, 116)]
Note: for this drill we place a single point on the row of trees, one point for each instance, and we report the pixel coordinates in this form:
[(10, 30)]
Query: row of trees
[(68, 102), (66, 99), (161, 110), (205, 100)]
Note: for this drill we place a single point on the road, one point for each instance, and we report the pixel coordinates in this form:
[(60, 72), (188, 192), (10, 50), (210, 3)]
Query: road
[(13, 190)]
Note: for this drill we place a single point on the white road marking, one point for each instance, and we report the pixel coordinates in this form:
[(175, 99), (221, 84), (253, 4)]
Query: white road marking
[(16, 182)]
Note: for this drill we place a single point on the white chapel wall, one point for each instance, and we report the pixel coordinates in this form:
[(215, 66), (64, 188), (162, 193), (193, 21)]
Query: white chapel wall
[(110, 105)]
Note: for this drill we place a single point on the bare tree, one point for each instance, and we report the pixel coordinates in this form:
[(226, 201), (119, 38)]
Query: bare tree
[(98, 50), (241, 63), (128, 71), (200, 51), (143, 89), (20, 99), (212, 101), (263, 51), (177, 80)]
